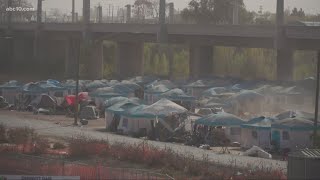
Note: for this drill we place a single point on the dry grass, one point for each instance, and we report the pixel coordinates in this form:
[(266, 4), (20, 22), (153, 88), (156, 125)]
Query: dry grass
[(3, 135), (167, 160)]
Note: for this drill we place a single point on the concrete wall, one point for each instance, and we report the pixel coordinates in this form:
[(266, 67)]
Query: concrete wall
[(129, 59)]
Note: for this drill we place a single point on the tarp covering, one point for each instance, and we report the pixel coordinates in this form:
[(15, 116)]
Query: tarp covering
[(121, 107), (165, 83), (162, 108), (220, 119), (296, 123), (131, 85), (44, 101), (198, 83), (11, 84), (95, 84), (177, 94), (247, 95), (33, 88), (214, 91), (291, 114), (51, 85), (114, 100), (259, 123), (158, 89), (71, 99)]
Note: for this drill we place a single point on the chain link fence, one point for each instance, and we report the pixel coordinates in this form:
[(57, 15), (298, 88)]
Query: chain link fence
[(34, 165)]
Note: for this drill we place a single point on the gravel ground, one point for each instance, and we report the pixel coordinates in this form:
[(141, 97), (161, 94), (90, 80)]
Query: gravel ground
[(50, 129)]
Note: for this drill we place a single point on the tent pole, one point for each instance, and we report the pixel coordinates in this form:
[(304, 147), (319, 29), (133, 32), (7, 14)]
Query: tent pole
[(317, 102)]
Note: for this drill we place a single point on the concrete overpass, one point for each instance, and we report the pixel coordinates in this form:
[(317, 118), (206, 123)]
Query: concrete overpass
[(130, 38)]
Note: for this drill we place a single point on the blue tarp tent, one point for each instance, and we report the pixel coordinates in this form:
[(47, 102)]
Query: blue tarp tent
[(160, 109), (176, 95), (220, 119)]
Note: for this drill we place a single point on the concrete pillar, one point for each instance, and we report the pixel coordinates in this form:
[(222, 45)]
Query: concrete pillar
[(128, 19), (6, 54), (162, 34), (285, 64), (201, 61), (72, 53), (96, 61), (39, 12), (86, 12), (99, 14), (129, 59), (236, 12), (73, 11), (9, 13), (171, 13)]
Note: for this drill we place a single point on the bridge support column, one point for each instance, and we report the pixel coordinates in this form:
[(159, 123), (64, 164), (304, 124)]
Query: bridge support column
[(96, 61), (201, 61), (129, 59), (72, 54), (285, 64), (6, 53)]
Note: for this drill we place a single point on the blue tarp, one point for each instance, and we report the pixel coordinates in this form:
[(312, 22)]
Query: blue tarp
[(296, 124), (10, 85), (160, 109), (259, 123), (214, 91), (33, 88), (122, 106), (220, 119), (176, 95), (157, 89)]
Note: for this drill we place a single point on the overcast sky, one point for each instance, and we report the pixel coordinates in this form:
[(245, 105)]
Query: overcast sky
[(309, 6)]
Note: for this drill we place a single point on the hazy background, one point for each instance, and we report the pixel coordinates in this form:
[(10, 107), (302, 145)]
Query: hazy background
[(309, 6)]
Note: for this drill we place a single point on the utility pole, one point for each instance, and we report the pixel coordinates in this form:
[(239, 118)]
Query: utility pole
[(317, 102)]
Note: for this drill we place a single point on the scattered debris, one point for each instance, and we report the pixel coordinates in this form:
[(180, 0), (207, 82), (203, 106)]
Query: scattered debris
[(256, 151)]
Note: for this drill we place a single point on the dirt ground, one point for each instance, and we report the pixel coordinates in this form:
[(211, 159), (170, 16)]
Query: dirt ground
[(94, 125), (56, 119)]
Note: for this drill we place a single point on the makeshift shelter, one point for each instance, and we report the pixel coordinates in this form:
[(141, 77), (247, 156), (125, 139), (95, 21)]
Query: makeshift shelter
[(196, 88), (178, 96), (229, 123), (246, 102), (3, 102), (54, 88), (70, 85), (44, 101), (165, 83), (131, 124), (89, 113), (292, 114), (257, 132), (161, 109), (152, 93), (9, 91), (91, 86), (165, 114), (113, 113), (292, 133), (214, 91)]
